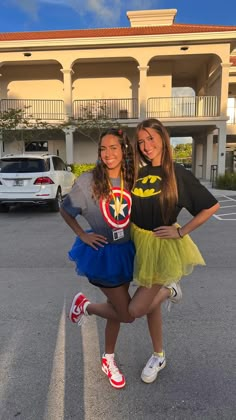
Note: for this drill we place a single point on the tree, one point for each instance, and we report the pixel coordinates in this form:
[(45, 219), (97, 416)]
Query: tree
[(15, 126), (92, 120), (183, 152)]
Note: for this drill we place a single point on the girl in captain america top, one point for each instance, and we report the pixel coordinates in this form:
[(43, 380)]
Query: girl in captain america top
[(105, 253), (164, 250)]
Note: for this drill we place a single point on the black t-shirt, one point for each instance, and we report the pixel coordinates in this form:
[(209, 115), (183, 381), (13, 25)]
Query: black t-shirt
[(146, 212)]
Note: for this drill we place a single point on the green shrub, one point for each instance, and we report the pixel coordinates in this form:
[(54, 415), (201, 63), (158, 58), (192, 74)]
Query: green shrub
[(226, 181), (79, 168)]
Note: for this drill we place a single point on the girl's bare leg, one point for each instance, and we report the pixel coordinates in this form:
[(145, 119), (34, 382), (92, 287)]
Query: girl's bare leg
[(159, 298), (142, 300), (155, 328), (111, 334), (145, 300), (148, 301), (113, 326), (116, 308)]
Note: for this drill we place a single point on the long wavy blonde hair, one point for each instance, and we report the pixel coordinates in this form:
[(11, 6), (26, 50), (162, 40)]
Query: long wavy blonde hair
[(169, 196)]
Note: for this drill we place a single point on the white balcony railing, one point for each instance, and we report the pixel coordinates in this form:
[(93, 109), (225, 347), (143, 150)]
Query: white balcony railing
[(179, 107), (125, 108), (44, 109), (169, 107)]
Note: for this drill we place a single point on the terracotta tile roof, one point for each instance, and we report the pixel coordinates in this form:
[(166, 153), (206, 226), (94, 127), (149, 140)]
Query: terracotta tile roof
[(233, 60), (114, 32)]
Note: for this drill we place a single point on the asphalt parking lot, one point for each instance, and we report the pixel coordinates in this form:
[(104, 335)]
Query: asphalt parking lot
[(50, 369), (228, 207)]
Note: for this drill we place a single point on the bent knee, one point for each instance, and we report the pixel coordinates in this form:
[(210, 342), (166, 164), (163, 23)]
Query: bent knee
[(136, 312), (127, 319)]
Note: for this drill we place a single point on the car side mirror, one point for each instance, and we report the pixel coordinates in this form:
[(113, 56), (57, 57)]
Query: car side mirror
[(68, 168)]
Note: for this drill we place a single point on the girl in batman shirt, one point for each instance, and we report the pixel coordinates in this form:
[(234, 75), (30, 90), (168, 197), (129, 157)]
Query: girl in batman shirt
[(164, 250)]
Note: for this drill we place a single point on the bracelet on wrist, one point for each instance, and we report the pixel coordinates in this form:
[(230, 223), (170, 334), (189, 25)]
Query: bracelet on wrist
[(179, 233)]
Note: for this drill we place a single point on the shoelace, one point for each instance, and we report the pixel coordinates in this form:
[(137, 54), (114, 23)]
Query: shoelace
[(113, 367), (81, 321), (152, 361)]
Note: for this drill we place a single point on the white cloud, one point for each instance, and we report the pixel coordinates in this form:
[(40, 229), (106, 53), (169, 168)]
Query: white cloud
[(28, 6), (101, 12)]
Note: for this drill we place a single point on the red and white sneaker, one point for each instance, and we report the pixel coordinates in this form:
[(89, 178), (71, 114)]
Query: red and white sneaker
[(78, 308), (109, 367)]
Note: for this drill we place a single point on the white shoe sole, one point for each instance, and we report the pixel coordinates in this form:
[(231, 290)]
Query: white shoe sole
[(72, 308), (150, 379)]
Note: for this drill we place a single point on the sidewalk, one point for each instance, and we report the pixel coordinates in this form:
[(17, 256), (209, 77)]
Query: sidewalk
[(216, 192)]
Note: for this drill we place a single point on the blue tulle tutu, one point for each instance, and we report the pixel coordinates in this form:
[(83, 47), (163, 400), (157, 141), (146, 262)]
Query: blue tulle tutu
[(109, 266)]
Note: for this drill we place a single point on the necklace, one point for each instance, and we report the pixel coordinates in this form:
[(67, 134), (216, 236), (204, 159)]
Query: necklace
[(117, 201)]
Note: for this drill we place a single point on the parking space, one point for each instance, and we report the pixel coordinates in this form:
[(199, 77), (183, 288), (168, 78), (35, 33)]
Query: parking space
[(227, 209)]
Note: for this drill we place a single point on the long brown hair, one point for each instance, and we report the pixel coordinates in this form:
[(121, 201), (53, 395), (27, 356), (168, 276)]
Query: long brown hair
[(101, 185), (169, 196)]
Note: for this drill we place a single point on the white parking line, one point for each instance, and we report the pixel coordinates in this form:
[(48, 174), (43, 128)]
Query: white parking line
[(92, 366), (56, 393), (225, 201), (227, 207), (224, 216), (228, 197), (221, 216)]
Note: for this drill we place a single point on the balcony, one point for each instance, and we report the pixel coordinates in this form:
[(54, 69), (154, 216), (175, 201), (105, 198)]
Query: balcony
[(118, 109), (38, 109), (183, 107), (113, 109)]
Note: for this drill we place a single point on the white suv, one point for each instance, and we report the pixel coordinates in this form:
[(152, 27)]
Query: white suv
[(33, 179)]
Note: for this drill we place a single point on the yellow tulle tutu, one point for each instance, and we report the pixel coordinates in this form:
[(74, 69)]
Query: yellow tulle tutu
[(162, 261)]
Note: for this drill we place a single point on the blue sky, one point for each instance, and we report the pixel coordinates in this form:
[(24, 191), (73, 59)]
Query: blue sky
[(41, 15)]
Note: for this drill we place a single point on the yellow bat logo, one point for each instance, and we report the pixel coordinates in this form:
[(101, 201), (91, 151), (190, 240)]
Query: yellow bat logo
[(147, 186)]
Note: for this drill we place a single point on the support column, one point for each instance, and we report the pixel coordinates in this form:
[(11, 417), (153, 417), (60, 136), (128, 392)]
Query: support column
[(199, 149), (193, 156), (224, 87), (69, 138), (143, 91), (67, 73), (207, 157), (1, 144), (221, 148)]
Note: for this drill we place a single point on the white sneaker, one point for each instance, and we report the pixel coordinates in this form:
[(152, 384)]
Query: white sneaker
[(174, 297), (153, 366)]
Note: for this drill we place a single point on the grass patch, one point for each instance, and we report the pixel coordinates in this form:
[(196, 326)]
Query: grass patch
[(226, 181)]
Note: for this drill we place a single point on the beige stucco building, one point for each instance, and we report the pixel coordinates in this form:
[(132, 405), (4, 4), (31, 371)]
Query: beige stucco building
[(130, 74)]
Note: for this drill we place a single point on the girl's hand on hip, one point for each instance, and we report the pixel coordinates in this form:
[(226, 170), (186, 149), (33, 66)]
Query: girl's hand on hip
[(93, 239), (166, 232)]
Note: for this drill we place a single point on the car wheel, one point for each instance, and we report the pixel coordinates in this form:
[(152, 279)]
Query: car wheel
[(55, 205), (4, 208)]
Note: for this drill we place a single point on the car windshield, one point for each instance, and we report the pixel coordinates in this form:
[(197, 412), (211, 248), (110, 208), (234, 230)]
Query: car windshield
[(18, 165)]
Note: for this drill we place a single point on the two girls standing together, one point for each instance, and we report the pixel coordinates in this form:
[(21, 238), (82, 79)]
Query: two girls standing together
[(153, 246)]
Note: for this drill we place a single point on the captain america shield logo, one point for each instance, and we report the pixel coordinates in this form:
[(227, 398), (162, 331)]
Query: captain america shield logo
[(117, 208)]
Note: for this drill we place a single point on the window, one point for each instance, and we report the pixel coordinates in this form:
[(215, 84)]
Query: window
[(58, 164), (36, 146), (22, 165)]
